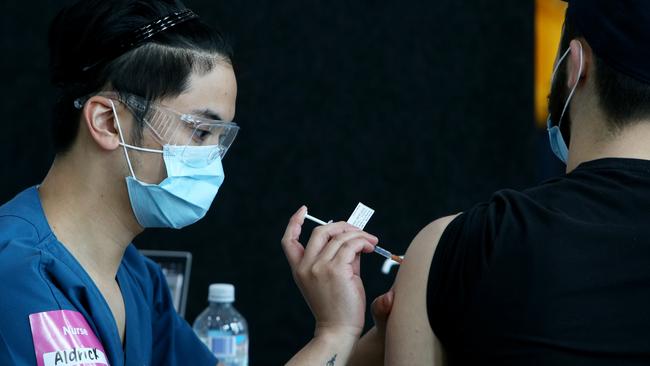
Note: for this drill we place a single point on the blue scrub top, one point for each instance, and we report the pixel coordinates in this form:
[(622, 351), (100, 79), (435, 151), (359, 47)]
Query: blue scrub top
[(38, 274)]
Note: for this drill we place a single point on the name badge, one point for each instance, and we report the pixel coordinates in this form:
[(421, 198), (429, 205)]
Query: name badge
[(64, 338)]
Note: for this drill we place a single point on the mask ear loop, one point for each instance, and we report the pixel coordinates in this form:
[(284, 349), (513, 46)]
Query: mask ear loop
[(119, 129), (566, 105)]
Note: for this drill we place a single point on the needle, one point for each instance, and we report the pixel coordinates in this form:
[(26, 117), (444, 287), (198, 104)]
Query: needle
[(379, 250)]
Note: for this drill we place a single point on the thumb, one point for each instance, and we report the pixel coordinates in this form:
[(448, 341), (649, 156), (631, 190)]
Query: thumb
[(381, 308)]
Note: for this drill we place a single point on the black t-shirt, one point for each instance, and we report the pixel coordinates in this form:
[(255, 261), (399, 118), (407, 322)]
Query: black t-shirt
[(555, 275)]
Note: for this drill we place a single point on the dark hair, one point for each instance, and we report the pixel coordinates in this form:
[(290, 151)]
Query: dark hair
[(84, 37), (624, 99)]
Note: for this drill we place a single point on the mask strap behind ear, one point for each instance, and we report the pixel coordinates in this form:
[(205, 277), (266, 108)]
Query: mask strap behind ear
[(575, 86), (119, 129), (144, 149)]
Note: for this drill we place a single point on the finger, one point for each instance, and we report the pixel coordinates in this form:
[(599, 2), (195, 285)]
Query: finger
[(322, 235), (334, 245), (373, 244), (349, 251), (291, 246), (381, 307)]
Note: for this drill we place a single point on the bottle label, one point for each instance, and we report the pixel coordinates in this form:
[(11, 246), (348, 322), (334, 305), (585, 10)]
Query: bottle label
[(222, 345), (225, 345)]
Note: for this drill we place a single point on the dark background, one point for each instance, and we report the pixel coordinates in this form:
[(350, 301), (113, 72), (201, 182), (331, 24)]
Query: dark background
[(419, 109)]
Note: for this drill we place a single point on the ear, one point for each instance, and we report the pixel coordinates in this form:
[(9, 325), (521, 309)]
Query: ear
[(580, 62), (100, 121)]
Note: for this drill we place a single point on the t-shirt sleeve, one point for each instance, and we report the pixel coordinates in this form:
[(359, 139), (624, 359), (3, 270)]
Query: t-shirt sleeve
[(460, 261), (174, 341)]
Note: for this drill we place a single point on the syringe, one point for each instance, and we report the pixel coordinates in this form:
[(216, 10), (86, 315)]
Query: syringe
[(379, 250)]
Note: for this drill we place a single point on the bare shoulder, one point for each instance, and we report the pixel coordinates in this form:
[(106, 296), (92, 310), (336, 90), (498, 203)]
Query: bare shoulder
[(417, 260), (409, 339)]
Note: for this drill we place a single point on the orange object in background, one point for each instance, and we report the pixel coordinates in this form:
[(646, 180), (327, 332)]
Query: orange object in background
[(549, 18)]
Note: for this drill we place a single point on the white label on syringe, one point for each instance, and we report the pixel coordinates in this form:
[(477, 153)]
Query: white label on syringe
[(361, 216)]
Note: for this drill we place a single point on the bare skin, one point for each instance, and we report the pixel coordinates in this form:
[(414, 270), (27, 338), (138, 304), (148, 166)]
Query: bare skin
[(327, 272), (84, 194)]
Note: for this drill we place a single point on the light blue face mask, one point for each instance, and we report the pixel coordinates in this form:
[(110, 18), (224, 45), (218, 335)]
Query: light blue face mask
[(558, 145), (182, 198)]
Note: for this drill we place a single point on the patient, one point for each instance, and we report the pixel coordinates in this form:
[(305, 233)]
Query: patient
[(554, 275)]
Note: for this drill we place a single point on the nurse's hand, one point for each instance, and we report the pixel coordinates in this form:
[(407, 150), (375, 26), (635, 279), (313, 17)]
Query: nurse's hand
[(327, 272), (380, 309)]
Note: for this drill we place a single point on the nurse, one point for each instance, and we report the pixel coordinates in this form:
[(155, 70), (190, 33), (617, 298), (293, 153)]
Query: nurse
[(143, 120)]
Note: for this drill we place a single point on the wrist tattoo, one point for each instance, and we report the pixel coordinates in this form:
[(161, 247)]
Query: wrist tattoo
[(332, 361)]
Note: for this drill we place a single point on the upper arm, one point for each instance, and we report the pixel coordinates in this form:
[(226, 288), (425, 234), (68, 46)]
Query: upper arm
[(409, 338)]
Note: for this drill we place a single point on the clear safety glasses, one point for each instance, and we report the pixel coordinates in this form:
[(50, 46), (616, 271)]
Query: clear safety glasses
[(170, 127)]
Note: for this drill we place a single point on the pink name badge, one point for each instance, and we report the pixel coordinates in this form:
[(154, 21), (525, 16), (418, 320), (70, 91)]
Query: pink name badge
[(64, 338)]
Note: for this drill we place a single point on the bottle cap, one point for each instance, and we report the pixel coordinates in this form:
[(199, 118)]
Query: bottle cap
[(221, 292)]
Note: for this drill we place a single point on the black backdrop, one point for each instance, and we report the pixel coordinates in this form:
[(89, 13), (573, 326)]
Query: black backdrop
[(417, 108)]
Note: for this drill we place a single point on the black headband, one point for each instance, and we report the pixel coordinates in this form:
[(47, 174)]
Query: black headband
[(143, 34)]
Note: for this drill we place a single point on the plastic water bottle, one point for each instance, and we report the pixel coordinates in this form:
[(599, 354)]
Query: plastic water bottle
[(222, 328)]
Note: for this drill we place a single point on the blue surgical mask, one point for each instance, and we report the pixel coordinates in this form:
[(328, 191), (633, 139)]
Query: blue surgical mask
[(182, 198), (558, 146)]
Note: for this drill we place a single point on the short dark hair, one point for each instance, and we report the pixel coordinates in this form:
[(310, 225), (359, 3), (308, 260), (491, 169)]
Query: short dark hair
[(624, 99), (88, 31)]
